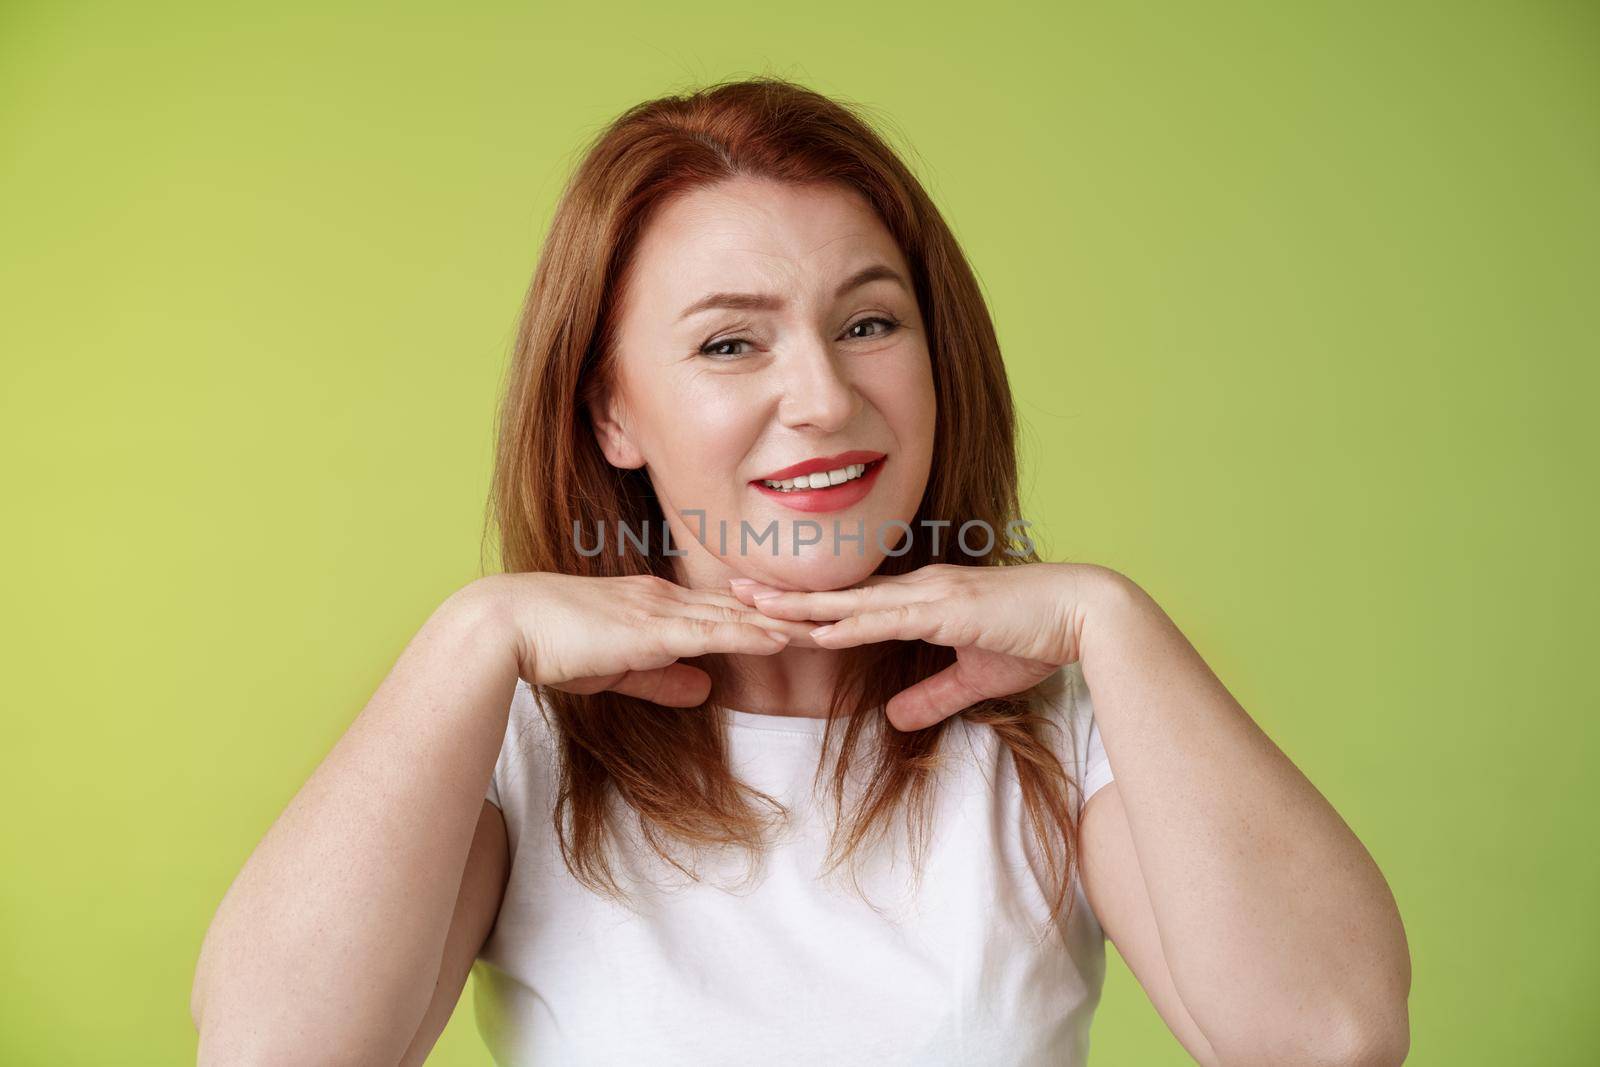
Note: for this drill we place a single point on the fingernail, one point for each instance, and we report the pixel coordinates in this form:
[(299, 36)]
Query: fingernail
[(767, 594), (819, 631), (741, 581)]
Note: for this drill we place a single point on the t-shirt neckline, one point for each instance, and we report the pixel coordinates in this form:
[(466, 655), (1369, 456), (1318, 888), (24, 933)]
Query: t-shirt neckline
[(792, 724), (773, 723)]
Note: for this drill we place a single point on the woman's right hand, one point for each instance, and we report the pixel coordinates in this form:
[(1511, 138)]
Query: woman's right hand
[(584, 635)]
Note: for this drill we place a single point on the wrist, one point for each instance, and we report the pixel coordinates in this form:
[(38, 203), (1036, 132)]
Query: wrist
[(479, 613), (1105, 601)]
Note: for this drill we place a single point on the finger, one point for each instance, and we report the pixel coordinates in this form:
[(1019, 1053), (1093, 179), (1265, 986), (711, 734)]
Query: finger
[(701, 597), (835, 604), (739, 597), (719, 597), (744, 589), (932, 700), (687, 636), (919, 621), (678, 685), (733, 611), (798, 631), (741, 582)]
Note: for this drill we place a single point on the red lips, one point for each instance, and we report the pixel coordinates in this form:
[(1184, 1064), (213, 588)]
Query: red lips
[(821, 463), (825, 498)]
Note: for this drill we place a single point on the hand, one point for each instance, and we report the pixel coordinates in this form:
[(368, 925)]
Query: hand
[(626, 634), (1011, 626)]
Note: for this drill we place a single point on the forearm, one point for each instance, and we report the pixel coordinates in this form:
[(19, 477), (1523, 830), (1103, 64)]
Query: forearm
[(1279, 930), (327, 945)]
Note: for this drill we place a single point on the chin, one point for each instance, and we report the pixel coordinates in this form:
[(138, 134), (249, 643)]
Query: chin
[(816, 570)]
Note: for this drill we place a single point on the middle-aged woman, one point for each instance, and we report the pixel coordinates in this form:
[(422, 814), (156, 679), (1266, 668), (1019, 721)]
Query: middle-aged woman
[(623, 776)]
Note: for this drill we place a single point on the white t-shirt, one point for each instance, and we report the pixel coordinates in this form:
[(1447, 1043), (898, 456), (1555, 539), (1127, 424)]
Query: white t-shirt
[(789, 968)]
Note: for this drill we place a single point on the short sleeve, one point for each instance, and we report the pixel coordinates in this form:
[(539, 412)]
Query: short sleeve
[(522, 700), (1096, 766), (526, 770), (1083, 755)]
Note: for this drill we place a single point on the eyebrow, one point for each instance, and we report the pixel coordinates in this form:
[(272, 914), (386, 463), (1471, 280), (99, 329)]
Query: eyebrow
[(766, 302)]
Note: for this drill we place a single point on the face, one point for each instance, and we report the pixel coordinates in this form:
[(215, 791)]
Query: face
[(765, 326)]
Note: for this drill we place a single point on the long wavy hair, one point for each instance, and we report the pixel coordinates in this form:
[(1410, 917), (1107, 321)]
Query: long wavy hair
[(551, 478)]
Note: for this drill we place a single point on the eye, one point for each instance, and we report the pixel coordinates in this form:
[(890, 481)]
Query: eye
[(723, 350), (709, 349), (889, 326)]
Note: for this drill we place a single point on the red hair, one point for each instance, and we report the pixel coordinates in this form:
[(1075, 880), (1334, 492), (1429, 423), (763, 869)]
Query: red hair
[(550, 478)]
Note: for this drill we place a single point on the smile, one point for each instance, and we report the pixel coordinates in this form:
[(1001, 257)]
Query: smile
[(821, 491), (819, 480)]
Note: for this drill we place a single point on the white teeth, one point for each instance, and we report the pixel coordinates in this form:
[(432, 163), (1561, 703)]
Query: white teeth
[(818, 480)]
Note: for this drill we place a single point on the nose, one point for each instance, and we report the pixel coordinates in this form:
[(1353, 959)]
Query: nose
[(817, 393)]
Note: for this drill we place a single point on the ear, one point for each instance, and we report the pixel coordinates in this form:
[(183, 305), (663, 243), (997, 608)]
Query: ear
[(611, 431)]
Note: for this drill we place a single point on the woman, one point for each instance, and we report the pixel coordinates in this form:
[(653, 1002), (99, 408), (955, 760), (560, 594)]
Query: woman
[(715, 831)]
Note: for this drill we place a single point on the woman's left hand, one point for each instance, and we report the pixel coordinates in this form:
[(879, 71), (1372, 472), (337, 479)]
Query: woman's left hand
[(1011, 626)]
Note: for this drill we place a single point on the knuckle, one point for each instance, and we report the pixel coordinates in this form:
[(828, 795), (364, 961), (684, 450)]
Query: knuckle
[(695, 624), (638, 615), (647, 583)]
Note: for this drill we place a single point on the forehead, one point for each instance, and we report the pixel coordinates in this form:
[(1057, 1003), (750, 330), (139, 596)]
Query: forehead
[(748, 233)]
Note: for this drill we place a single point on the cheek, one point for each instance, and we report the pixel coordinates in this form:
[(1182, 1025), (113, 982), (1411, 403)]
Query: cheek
[(703, 433), (907, 400)]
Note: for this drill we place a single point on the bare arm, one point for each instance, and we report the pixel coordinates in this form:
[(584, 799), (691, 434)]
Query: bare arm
[(1114, 885), (477, 909), (327, 946), (1266, 933)]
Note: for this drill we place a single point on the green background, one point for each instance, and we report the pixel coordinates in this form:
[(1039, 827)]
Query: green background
[(1297, 301)]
